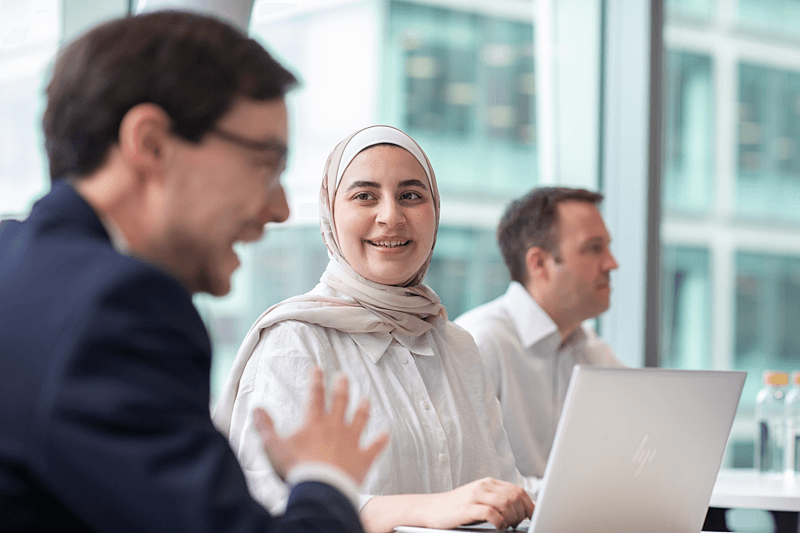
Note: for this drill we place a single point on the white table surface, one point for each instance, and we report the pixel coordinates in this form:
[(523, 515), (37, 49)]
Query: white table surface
[(749, 489)]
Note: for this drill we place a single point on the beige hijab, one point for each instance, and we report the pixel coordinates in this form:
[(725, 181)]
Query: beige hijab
[(411, 309)]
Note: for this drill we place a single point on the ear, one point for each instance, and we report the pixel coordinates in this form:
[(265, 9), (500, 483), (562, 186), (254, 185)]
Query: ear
[(536, 264), (143, 139)]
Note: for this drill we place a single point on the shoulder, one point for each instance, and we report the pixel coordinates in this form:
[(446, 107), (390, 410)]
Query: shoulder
[(67, 287), (475, 318), (297, 339), (293, 331), (454, 333), (491, 326), (487, 319)]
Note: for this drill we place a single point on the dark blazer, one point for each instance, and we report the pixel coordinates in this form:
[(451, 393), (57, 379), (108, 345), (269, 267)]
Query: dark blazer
[(104, 395)]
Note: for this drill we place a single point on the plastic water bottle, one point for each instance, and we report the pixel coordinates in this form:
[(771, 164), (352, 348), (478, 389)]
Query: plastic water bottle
[(792, 408), (771, 423)]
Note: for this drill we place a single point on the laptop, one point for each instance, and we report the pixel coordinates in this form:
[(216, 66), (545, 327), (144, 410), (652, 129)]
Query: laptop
[(636, 450)]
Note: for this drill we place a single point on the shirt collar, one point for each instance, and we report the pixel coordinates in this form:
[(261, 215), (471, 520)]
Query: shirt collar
[(115, 234), (531, 321), (376, 344)]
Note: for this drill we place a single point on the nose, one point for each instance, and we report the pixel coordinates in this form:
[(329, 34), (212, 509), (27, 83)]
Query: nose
[(611, 262), (276, 208), (390, 213)]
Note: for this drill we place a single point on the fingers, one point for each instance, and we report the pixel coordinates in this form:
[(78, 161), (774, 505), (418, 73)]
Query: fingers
[(273, 445), (529, 505), (264, 425), (511, 502), (375, 448), (341, 397), (361, 416), (316, 396), (490, 514), (487, 513)]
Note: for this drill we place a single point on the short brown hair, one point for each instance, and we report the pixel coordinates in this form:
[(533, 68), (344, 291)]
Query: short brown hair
[(533, 221), (192, 65)]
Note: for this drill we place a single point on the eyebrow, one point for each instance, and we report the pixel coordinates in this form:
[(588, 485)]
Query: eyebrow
[(376, 185), (413, 183), (598, 239)]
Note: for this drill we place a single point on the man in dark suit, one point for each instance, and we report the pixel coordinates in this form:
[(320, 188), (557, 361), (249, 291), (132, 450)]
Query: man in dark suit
[(166, 136)]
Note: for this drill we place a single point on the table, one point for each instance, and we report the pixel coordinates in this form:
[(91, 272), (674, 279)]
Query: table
[(749, 489)]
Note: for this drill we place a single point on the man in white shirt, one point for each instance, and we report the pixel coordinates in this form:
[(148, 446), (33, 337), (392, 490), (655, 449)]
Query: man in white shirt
[(556, 247)]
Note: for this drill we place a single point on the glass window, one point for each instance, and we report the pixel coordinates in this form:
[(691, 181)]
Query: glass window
[(731, 195), (466, 84), (686, 297), (689, 132), (29, 33), (777, 17), (768, 184), (698, 9), (466, 258), (767, 316)]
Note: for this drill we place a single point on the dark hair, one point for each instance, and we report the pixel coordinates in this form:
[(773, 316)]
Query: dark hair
[(193, 66), (533, 221)]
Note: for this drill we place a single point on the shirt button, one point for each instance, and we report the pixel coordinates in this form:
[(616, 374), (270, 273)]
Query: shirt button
[(441, 457), (404, 361), (426, 405)]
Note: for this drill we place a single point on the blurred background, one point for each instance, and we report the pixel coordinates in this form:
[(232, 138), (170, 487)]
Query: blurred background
[(685, 114)]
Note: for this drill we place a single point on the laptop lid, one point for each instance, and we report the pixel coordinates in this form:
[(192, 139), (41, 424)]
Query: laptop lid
[(637, 449)]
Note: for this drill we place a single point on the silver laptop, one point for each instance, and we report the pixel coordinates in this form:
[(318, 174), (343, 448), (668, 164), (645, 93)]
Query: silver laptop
[(637, 450)]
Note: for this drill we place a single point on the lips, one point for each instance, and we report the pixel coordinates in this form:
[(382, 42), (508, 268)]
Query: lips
[(389, 243)]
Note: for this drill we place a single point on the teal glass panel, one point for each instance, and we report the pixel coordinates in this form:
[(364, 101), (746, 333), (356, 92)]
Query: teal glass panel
[(686, 300), (467, 269), (775, 17), (768, 179), (696, 9), (462, 84), (688, 179), (767, 317)]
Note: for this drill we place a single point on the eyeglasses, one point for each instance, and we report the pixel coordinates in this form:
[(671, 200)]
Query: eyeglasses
[(276, 147)]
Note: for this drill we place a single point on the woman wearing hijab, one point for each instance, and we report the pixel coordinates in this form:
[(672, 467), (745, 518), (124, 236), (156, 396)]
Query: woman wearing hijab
[(448, 461)]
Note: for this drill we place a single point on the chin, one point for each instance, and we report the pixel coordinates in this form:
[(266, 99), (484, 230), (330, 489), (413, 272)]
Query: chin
[(220, 289), (218, 285)]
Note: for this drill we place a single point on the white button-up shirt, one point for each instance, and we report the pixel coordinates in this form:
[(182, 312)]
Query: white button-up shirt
[(523, 353), (430, 393)]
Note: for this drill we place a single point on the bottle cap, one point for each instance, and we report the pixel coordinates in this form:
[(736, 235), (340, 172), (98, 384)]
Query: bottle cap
[(776, 379)]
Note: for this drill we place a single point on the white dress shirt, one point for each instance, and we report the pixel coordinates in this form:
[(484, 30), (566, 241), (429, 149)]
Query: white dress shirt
[(523, 353), (430, 393)]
